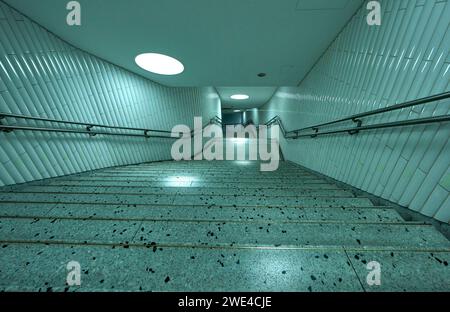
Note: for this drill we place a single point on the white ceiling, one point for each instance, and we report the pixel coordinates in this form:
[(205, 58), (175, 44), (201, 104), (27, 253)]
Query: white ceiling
[(221, 43)]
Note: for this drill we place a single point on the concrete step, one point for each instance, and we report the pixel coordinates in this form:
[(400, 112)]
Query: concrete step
[(174, 190), (199, 164), (179, 177), (175, 269), (202, 171), (297, 201), (189, 183), (200, 269), (211, 170), (173, 183), (206, 212), (151, 186), (219, 234)]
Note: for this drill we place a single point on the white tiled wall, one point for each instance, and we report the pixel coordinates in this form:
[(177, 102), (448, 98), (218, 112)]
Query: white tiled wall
[(41, 75), (365, 68)]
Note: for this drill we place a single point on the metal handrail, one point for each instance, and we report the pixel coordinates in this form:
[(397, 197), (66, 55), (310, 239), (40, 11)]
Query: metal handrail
[(88, 127), (402, 123), (294, 134), (275, 119), (91, 125)]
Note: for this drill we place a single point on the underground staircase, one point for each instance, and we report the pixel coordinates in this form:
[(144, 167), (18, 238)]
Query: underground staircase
[(210, 226)]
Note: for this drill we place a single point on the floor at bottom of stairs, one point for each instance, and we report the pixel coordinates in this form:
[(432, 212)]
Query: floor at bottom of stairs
[(209, 226)]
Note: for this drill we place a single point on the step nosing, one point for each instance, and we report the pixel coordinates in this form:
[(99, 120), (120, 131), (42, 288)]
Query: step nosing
[(126, 244), (271, 206), (185, 194), (238, 221)]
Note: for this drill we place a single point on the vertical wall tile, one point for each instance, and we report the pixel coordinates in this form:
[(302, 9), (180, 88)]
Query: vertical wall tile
[(367, 68), (41, 75)]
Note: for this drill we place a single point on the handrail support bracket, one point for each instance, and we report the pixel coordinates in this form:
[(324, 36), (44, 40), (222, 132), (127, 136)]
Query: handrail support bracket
[(358, 125), (4, 129), (315, 129), (88, 129)]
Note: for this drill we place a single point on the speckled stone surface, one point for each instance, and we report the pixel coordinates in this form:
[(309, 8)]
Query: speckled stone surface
[(184, 269), (405, 271), (209, 226)]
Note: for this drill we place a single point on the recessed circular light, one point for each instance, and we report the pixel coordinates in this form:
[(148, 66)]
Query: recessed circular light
[(239, 97), (237, 111), (159, 64)]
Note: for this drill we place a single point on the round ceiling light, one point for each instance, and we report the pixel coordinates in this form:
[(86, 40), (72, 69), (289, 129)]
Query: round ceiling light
[(159, 64), (239, 97)]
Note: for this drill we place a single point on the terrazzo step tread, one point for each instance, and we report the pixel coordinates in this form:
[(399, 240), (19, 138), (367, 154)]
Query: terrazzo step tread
[(254, 184), (234, 185), (233, 233), (150, 188), (229, 170), (224, 175), (185, 199), (173, 191), (175, 269), (215, 172), (161, 178), (208, 164), (168, 184), (282, 169), (280, 201), (43, 268), (376, 214), (206, 177), (405, 271), (205, 181), (211, 169)]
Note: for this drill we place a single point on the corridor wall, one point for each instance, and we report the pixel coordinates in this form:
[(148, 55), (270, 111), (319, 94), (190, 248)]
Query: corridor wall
[(369, 67), (41, 75), (251, 114)]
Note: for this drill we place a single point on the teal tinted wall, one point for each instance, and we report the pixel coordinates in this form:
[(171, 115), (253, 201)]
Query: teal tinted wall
[(251, 114), (365, 68), (41, 75)]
